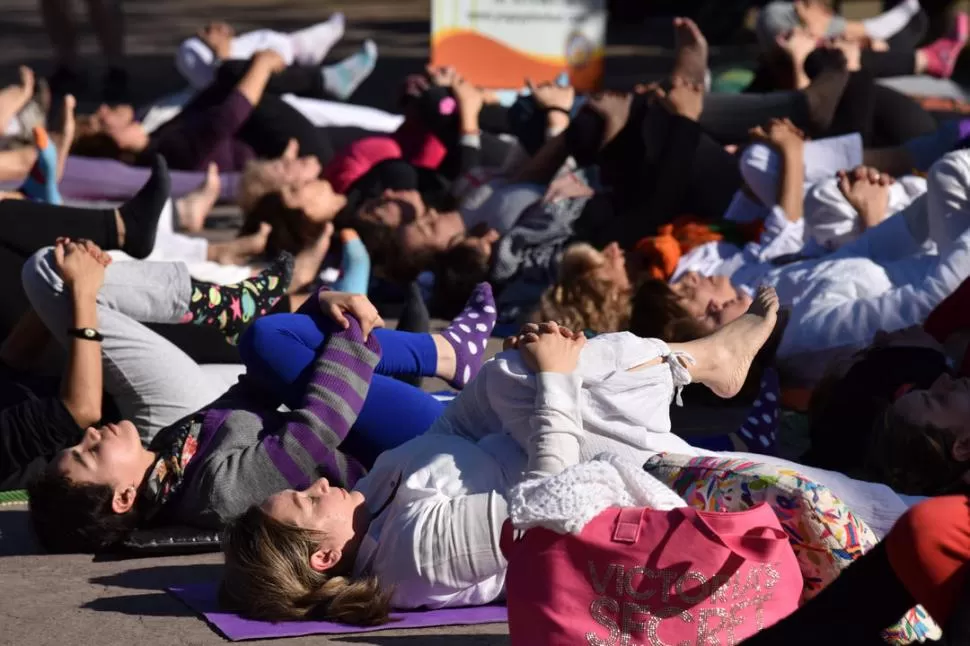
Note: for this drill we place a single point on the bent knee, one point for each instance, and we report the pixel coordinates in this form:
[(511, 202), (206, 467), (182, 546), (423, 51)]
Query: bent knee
[(39, 274)]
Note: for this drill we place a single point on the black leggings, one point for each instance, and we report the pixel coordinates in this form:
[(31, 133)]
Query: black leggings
[(900, 60), (866, 599), (659, 166), (25, 228), (883, 116), (728, 117), (273, 122)]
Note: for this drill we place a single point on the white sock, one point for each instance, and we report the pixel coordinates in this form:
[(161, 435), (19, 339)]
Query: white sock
[(887, 25), (311, 45), (343, 78)]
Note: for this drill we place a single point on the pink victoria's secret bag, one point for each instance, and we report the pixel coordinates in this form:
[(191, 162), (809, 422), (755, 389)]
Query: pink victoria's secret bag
[(638, 576)]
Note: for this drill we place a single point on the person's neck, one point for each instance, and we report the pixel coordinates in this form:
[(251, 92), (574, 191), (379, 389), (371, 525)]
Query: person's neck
[(362, 519), (148, 459)]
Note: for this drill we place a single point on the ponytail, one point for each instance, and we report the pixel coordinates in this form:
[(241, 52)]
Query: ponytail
[(268, 577)]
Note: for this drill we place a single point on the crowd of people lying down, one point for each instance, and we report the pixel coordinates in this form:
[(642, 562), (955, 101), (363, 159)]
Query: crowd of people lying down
[(677, 273)]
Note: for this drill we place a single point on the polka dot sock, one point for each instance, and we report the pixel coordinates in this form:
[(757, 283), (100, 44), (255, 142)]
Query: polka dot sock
[(468, 334), (231, 308), (41, 182), (759, 434)]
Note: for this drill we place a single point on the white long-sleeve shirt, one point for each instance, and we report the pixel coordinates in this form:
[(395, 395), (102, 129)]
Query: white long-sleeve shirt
[(886, 279), (439, 500)]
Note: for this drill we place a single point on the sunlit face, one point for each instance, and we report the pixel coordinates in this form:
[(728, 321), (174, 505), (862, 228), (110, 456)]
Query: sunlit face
[(712, 300), (612, 266), (316, 198), (281, 172), (329, 511), (395, 208), (110, 455), (944, 405), (434, 232)]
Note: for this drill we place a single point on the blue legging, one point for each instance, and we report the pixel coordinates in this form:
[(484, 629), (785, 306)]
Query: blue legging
[(280, 350)]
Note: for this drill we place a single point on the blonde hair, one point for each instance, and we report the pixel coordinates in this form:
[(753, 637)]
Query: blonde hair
[(268, 577), (582, 300)]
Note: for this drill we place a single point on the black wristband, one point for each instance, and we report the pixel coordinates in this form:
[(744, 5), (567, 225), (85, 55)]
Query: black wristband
[(86, 334)]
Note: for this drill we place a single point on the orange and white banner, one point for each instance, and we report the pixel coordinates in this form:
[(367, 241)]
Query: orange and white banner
[(500, 43)]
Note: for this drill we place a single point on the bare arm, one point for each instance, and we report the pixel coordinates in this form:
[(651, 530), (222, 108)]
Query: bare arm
[(542, 168), (81, 388), (253, 83), (791, 196)]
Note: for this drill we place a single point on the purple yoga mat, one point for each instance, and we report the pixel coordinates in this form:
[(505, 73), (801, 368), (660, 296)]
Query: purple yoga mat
[(202, 598), (106, 179)]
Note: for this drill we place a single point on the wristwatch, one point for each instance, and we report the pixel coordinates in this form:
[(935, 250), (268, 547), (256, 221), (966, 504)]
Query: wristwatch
[(86, 334)]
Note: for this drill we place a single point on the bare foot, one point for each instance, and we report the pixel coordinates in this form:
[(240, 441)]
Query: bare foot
[(67, 134), (614, 107), (724, 358), (690, 59), (27, 82), (195, 207), (814, 16), (686, 98), (306, 267), (241, 250), (292, 150), (14, 98)]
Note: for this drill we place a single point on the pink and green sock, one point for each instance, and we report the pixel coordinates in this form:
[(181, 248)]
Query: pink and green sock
[(41, 182), (231, 308)]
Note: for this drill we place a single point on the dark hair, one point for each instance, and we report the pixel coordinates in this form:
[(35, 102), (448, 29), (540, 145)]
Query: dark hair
[(99, 145), (71, 517), (267, 576), (853, 394), (914, 458), (387, 259), (292, 231), (456, 273), (657, 313)]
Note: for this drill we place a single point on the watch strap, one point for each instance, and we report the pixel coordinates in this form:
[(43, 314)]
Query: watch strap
[(86, 334)]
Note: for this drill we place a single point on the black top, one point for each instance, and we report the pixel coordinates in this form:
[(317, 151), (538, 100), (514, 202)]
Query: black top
[(34, 426)]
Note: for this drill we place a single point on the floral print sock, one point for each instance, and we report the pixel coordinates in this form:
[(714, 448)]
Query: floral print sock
[(231, 308)]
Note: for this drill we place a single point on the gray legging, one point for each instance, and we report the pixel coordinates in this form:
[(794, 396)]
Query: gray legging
[(152, 381)]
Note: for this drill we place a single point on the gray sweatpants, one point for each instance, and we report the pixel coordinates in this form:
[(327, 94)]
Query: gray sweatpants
[(153, 382)]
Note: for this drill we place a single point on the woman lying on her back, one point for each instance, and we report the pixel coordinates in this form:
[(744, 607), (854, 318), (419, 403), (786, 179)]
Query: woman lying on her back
[(422, 528), (212, 464)]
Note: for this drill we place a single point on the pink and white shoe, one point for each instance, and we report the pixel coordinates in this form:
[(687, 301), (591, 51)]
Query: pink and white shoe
[(941, 55)]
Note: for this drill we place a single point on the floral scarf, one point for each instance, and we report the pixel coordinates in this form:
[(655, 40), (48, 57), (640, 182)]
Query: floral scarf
[(175, 446)]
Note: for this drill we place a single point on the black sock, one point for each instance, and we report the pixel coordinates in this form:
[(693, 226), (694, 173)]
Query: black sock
[(829, 76), (140, 214), (231, 308)]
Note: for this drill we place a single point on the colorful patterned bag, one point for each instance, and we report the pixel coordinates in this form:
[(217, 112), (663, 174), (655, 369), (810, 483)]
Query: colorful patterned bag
[(825, 535)]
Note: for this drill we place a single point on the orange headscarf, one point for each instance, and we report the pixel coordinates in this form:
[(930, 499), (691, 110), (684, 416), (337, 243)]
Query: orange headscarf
[(662, 252)]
